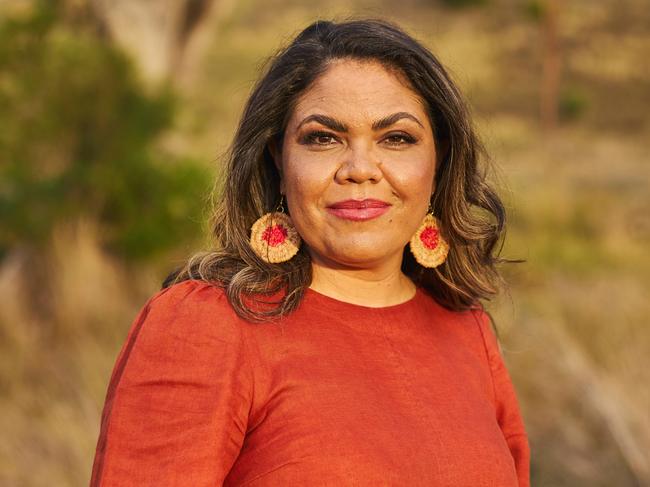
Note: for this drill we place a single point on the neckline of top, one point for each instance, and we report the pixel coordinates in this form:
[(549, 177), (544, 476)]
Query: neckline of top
[(330, 301)]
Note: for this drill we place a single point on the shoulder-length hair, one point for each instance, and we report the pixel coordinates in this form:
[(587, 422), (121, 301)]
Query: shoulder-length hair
[(471, 215)]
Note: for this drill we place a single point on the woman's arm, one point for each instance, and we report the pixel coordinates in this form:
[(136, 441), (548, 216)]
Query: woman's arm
[(177, 405), (508, 413)]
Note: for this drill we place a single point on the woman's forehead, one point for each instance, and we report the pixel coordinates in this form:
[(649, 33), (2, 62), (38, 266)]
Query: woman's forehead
[(358, 93), (356, 80)]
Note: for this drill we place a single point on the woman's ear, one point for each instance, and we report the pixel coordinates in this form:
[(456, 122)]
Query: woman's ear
[(441, 152), (276, 154)]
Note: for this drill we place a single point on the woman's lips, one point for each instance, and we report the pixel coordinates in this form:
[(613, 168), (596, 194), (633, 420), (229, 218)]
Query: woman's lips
[(359, 210)]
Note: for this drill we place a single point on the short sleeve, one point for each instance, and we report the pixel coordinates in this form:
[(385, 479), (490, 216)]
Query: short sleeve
[(508, 413), (178, 400)]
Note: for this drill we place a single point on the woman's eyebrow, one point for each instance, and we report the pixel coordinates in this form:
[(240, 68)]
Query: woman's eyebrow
[(339, 126)]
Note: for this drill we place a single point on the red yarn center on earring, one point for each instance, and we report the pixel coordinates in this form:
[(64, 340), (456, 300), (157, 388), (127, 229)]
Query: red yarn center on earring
[(429, 237), (274, 235)]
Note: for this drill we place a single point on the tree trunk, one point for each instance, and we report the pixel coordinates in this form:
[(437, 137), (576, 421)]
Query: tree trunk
[(157, 33), (551, 67)]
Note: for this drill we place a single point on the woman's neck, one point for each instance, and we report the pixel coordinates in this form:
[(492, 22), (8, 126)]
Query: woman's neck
[(366, 287)]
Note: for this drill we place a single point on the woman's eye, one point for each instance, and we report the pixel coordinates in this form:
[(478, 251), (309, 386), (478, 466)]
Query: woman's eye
[(400, 139), (320, 138), (317, 138)]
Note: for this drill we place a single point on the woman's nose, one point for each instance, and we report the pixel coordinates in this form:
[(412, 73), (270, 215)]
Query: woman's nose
[(359, 164)]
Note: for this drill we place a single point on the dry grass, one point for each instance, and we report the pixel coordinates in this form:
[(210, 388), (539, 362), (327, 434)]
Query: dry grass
[(64, 315), (574, 325)]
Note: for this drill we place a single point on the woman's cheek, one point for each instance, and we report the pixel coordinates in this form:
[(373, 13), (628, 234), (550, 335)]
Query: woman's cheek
[(305, 197), (411, 182)]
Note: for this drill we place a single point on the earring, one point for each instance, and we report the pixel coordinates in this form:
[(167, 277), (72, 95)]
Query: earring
[(427, 245), (273, 236)]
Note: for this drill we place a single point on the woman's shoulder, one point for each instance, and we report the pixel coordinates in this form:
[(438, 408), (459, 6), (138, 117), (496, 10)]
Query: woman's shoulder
[(183, 358), (194, 309), (473, 324), (472, 316), (189, 291)]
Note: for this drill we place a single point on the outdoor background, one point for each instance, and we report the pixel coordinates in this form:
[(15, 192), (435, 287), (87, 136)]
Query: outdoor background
[(114, 117)]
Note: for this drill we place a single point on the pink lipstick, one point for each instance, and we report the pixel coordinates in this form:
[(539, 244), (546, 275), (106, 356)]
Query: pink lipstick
[(359, 210)]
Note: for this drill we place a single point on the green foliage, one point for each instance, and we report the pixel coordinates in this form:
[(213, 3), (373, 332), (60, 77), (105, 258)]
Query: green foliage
[(535, 9), (573, 102), (77, 134), (463, 3)]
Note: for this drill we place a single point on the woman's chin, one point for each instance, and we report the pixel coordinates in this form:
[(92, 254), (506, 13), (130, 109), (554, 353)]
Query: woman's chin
[(357, 256)]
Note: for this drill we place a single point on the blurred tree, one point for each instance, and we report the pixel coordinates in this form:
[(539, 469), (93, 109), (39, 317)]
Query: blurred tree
[(77, 134), (463, 3), (159, 34), (573, 102), (547, 13)]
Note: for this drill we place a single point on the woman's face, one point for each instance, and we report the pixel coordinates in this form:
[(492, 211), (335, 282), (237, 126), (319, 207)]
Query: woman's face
[(357, 165)]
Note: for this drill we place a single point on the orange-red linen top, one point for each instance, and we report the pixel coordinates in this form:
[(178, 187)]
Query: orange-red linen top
[(334, 394)]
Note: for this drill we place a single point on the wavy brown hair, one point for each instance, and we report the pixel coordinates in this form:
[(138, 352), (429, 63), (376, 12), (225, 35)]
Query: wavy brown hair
[(471, 215)]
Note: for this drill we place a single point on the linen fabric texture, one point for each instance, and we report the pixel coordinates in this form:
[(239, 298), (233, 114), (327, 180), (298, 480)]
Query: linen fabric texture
[(334, 394)]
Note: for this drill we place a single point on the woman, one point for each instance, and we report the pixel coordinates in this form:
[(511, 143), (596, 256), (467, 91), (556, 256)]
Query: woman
[(344, 344)]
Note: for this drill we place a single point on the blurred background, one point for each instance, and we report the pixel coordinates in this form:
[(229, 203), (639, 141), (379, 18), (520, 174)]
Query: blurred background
[(114, 119)]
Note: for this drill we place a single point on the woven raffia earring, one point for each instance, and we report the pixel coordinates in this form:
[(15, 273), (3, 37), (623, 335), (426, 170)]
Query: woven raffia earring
[(427, 245), (273, 236)]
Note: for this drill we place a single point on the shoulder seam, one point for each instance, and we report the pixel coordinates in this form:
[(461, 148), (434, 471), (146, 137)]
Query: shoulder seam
[(242, 339), (250, 370), (487, 354), (161, 292), (515, 434)]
